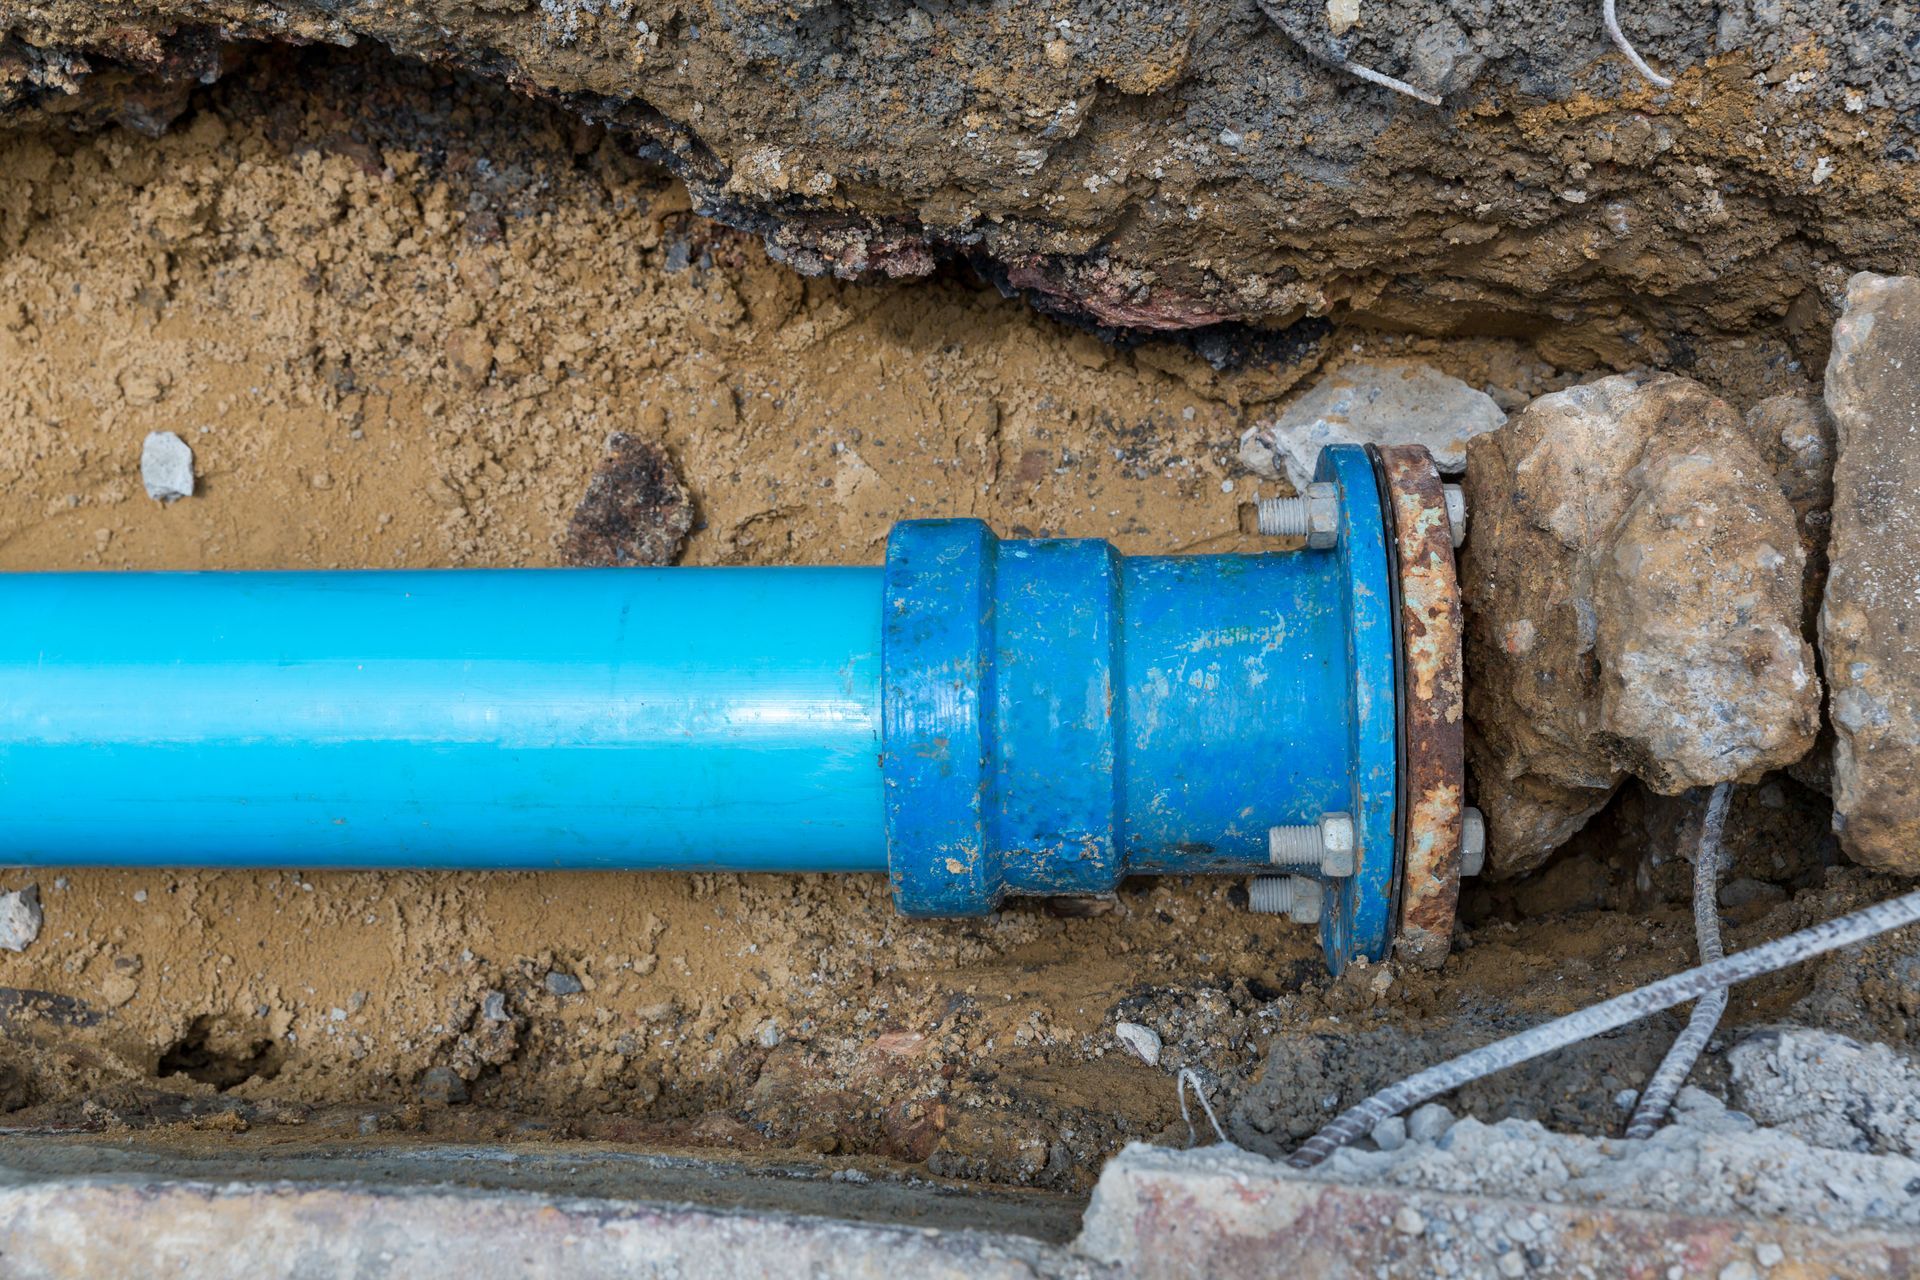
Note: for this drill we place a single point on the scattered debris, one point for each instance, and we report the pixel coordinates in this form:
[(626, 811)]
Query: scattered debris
[(636, 510), (1143, 1041), (1398, 403), (1829, 1090), (1691, 984), (1709, 1160), (1871, 612), (166, 466), (563, 984), (1633, 599), (20, 918)]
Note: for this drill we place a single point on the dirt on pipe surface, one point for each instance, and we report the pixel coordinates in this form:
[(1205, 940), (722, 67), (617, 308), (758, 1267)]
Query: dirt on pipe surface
[(397, 313)]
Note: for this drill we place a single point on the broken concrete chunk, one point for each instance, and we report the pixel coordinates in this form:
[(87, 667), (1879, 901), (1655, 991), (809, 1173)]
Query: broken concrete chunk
[(20, 918), (1400, 403), (1870, 614), (1633, 595), (1829, 1090), (166, 466), (636, 510)]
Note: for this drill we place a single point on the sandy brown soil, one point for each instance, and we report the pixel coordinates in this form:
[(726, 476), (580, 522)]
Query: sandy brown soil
[(399, 335)]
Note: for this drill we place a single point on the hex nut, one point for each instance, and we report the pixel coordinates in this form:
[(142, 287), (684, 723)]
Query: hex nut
[(1473, 841), (1337, 844), (1323, 515), (1308, 895), (1456, 498)]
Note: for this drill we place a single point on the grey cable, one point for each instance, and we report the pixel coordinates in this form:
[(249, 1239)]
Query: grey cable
[(1691, 984), (1611, 18), (1657, 1097), (1187, 1077)]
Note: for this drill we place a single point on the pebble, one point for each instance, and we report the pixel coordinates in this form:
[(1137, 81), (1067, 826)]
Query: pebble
[(20, 918), (563, 984), (1769, 1255), (166, 466), (769, 1034), (493, 1007), (440, 1084), (1428, 1123), (1390, 1134), (1143, 1041), (1409, 1222)]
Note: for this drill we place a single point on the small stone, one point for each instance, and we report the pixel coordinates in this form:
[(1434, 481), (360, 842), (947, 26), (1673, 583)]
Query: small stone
[(1390, 1134), (1409, 1221), (915, 25), (441, 1085), (1143, 1041), (1625, 1099), (470, 355), (1402, 403), (1739, 1269), (166, 466), (769, 1034), (1769, 1255), (493, 1007), (20, 918), (563, 984), (1512, 1263), (1429, 1123), (636, 511)]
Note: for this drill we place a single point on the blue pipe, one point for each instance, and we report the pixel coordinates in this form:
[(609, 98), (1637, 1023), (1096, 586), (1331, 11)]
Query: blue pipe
[(979, 717)]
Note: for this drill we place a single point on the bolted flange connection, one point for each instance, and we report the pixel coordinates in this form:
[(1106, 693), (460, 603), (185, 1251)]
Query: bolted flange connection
[(1298, 898), (1325, 846), (1315, 515)]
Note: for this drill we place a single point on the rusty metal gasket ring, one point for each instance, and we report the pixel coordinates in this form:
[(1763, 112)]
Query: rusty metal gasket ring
[(1432, 720)]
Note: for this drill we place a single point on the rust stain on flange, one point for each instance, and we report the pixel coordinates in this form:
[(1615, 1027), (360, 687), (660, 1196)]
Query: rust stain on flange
[(1434, 782)]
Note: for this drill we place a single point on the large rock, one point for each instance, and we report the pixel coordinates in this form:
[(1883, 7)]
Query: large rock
[(1633, 593), (1870, 618)]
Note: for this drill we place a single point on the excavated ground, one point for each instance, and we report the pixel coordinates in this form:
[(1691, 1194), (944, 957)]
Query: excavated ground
[(396, 313)]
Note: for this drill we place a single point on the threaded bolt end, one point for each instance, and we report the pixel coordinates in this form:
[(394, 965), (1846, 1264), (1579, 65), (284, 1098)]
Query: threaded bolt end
[(1297, 848), (1295, 897), (1282, 517)]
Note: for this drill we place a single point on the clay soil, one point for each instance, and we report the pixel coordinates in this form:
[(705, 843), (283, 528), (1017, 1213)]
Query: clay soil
[(397, 315)]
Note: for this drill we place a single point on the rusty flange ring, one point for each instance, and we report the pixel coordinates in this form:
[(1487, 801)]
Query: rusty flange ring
[(1433, 728)]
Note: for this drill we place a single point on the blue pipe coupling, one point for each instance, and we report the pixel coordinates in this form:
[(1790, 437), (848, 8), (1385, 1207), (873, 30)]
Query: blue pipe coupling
[(979, 717)]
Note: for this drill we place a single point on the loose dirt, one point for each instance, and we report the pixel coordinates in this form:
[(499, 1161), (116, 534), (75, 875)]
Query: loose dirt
[(397, 316)]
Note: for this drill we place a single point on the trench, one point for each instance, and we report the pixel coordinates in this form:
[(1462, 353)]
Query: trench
[(396, 311)]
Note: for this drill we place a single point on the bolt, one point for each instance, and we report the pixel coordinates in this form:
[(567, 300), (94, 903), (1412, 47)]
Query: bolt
[(1315, 516), (1456, 499), (1325, 846), (1295, 897), (1473, 841)]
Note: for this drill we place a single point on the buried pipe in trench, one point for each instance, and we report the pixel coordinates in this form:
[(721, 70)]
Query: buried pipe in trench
[(978, 718)]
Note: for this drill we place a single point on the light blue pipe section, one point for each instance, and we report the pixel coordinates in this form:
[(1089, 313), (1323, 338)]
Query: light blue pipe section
[(720, 719)]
